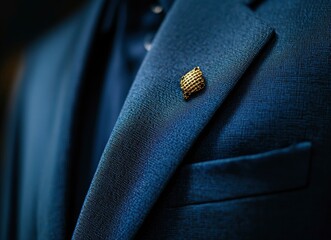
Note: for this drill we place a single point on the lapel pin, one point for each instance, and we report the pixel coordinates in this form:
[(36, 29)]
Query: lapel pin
[(191, 82)]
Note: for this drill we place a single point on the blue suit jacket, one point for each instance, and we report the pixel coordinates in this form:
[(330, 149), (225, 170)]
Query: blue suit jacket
[(247, 158)]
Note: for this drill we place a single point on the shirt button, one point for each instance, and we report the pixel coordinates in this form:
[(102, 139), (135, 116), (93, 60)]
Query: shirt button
[(157, 9), (148, 42)]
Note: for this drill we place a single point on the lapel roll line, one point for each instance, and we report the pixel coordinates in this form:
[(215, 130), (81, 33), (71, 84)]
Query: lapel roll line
[(157, 127)]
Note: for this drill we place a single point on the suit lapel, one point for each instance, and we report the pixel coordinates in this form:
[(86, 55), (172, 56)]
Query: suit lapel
[(157, 126)]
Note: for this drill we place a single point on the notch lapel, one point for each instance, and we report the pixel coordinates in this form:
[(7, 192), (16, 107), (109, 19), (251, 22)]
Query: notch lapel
[(157, 126)]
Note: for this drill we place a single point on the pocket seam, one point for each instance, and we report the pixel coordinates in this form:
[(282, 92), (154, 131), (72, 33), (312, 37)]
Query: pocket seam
[(292, 154)]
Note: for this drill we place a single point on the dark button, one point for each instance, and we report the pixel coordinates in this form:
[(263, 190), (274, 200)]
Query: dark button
[(157, 9)]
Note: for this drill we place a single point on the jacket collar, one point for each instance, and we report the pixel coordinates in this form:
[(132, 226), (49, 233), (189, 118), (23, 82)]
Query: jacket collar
[(157, 127)]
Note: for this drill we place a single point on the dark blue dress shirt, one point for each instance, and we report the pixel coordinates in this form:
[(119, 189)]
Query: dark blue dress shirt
[(124, 34)]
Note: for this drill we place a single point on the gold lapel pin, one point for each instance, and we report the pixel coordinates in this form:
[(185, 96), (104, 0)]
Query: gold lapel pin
[(191, 82)]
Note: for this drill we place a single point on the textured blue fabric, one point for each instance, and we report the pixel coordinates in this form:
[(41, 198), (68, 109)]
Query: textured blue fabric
[(283, 98), (244, 176), (246, 158), (157, 126)]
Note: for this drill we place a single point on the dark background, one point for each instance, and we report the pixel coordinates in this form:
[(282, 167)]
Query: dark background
[(22, 21)]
